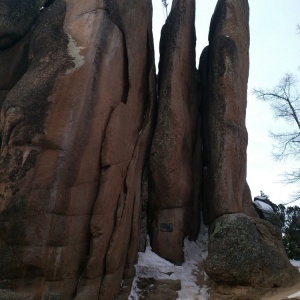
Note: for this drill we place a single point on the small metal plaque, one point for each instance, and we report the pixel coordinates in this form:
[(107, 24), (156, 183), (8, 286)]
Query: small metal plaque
[(166, 227)]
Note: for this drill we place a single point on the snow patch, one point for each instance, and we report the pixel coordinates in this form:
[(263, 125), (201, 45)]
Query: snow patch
[(295, 263), (263, 205), (150, 265), (294, 295)]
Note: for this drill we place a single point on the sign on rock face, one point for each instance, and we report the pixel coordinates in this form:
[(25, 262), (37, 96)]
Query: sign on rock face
[(166, 227)]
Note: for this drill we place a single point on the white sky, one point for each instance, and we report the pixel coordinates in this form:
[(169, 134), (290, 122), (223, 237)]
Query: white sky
[(274, 51)]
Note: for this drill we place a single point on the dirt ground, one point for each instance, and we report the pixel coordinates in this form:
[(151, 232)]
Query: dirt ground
[(219, 292), (283, 293)]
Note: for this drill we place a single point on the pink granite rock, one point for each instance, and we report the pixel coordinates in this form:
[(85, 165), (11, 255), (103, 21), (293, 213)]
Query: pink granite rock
[(173, 191), (225, 69), (75, 127)]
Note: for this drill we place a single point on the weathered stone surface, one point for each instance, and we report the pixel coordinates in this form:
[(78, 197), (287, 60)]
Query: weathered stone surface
[(77, 94), (75, 126), (224, 92), (248, 251), (16, 17), (172, 190)]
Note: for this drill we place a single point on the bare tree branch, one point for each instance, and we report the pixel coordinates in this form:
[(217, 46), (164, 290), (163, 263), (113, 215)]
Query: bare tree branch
[(165, 4), (292, 177), (284, 100)]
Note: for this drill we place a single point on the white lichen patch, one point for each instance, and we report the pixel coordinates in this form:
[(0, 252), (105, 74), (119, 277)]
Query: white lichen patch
[(74, 52)]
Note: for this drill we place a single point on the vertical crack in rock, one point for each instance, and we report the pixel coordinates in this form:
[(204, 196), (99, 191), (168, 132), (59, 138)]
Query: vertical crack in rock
[(126, 72)]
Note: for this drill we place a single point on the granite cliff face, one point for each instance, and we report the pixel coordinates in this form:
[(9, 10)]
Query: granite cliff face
[(94, 156), (76, 123)]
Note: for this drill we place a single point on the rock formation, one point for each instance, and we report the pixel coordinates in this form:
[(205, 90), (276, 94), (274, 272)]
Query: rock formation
[(173, 189), (236, 238), (224, 69), (248, 251), (75, 126), (93, 158)]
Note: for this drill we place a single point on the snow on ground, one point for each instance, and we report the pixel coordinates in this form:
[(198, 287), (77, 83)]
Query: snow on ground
[(295, 263), (294, 295), (150, 265)]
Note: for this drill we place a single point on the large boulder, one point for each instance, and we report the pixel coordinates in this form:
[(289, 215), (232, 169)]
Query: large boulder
[(174, 152), (248, 251), (224, 68)]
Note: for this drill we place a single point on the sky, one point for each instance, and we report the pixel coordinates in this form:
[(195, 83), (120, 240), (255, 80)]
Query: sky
[(274, 51)]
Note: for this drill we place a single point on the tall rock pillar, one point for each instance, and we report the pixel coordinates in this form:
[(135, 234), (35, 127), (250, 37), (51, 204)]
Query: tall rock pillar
[(172, 192), (224, 69)]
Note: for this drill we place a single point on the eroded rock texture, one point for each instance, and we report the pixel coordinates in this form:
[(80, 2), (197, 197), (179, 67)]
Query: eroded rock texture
[(224, 69), (90, 163), (75, 125), (173, 191), (242, 250), (16, 18), (248, 251)]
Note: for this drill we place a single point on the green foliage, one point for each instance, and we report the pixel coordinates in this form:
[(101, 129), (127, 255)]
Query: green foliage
[(290, 218)]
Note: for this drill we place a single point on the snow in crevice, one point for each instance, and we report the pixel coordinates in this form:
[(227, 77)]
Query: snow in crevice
[(191, 273)]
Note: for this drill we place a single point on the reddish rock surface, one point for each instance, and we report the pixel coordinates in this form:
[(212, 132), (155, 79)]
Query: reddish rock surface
[(90, 163), (172, 190), (75, 127), (224, 70)]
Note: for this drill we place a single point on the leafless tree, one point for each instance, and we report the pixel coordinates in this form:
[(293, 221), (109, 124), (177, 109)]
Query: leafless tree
[(285, 102), (165, 4)]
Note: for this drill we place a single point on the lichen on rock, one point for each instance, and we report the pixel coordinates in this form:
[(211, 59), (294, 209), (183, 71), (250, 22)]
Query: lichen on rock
[(248, 251)]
